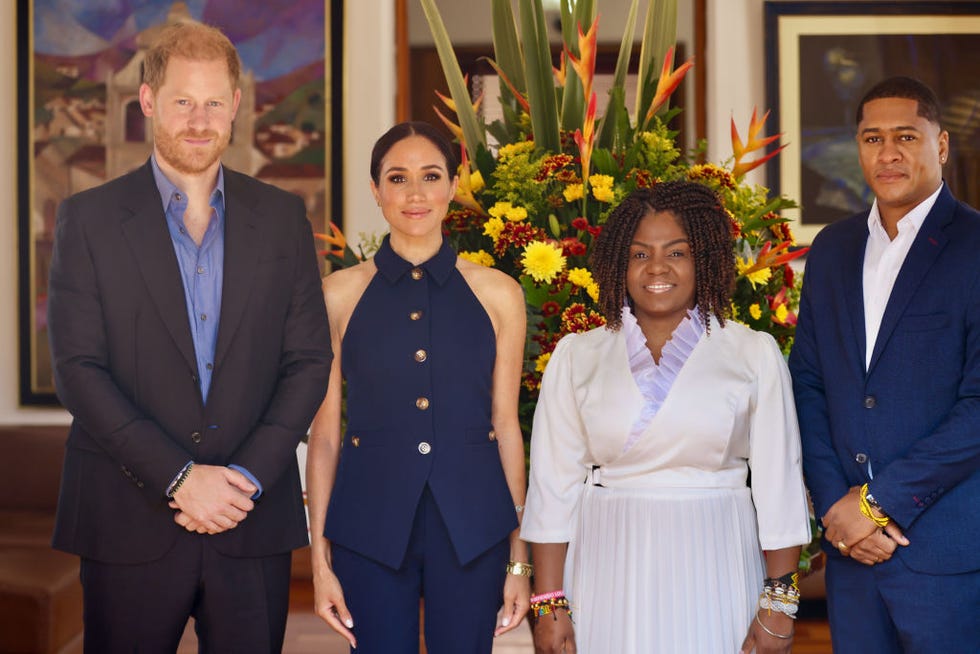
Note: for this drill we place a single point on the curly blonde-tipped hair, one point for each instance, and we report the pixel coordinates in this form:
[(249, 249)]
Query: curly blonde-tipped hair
[(193, 41)]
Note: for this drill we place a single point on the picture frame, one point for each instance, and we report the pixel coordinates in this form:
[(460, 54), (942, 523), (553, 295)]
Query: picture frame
[(79, 121), (821, 57)]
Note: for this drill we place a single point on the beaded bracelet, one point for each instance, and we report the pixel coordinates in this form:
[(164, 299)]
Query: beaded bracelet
[(547, 596), (868, 512), (549, 606), (781, 594)]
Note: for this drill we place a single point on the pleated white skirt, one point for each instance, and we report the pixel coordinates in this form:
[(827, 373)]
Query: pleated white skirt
[(664, 571)]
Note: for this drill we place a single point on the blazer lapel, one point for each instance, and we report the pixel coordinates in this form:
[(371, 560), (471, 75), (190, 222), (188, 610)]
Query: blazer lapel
[(852, 268), (242, 253), (926, 248), (146, 232)]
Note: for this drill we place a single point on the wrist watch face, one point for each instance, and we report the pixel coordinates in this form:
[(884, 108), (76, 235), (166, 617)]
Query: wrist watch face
[(872, 501)]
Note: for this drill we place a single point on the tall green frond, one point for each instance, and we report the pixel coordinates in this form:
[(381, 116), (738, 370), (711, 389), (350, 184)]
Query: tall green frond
[(474, 132), (540, 80), (611, 117), (659, 33), (507, 49)]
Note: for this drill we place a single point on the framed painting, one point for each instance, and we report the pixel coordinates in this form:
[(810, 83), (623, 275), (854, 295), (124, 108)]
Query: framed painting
[(821, 57), (80, 123)]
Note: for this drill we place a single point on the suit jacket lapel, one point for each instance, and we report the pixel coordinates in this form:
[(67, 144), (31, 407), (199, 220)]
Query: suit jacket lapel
[(242, 253), (852, 266), (926, 248), (146, 231)]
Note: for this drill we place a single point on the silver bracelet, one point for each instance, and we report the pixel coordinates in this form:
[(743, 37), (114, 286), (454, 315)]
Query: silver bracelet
[(772, 633)]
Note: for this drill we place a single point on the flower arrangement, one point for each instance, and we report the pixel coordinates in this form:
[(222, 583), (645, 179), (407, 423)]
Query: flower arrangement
[(533, 205)]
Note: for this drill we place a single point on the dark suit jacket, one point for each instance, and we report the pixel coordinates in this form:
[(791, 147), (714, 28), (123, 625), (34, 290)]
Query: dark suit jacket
[(125, 367), (915, 414)]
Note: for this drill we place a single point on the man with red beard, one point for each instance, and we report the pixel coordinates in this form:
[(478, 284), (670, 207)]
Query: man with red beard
[(191, 346)]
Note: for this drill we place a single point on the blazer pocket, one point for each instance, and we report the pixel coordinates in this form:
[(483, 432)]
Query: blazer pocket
[(923, 323)]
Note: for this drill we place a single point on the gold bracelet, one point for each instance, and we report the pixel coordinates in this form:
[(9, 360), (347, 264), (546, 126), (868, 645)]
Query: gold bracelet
[(520, 569), (773, 633), (868, 512)]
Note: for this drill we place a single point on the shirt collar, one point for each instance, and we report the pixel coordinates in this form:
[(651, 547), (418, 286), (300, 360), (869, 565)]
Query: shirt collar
[(911, 221), (393, 267), (168, 188)]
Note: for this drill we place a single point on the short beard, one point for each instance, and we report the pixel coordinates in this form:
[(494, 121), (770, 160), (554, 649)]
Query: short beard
[(181, 158)]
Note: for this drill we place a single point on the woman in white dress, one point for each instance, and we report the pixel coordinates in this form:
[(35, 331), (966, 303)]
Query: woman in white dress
[(640, 512)]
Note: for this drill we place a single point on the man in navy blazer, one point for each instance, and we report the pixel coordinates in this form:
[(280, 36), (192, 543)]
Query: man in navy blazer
[(191, 346), (886, 371)]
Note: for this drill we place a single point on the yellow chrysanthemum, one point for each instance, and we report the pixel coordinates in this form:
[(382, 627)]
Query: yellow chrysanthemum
[(781, 313), (603, 193), (480, 256), (493, 227), (500, 209), (574, 192), (514, 149), (593, 291), (542, 261), (755, 311), (516, 214), (756, 276), (542, 361), (580, 277), (600, 181)]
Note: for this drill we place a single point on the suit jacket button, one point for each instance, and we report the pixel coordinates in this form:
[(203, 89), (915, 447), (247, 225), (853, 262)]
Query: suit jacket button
[(869, 401), (492, 435), (422, 403), (196, 437), (355, 441), (424, 448), (415, 315), (861, 457), (421, 356)]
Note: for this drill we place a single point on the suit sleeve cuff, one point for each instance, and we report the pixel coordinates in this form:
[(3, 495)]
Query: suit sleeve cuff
[(251, 478)]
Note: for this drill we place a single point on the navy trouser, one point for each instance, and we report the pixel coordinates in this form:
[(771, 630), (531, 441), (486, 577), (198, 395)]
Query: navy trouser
[(461, 601), (891, 609), (239, 604)]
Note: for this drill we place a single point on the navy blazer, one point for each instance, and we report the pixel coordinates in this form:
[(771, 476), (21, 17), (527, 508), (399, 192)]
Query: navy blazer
[(914, 415), (125, 368)]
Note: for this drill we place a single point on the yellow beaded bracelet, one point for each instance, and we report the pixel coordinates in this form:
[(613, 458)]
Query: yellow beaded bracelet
[(868, 512)]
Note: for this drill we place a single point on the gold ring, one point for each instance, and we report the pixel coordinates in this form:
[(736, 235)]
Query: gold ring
[(841, 545)]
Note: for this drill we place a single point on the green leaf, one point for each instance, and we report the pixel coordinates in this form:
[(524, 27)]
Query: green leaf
[(474, 132), (540, 84), (610, 130), (659, 33), (507, 47)]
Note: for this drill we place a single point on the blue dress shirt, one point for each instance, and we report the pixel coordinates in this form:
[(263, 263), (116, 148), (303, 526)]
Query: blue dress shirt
[(201, 270)]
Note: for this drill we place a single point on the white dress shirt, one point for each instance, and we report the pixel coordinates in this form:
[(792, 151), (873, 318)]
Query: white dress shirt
[(883, 259)]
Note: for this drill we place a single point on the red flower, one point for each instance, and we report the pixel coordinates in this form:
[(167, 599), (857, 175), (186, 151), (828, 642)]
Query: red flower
[(594, 231), (788, 276), (572, 247), (550, 308), (580, 223)]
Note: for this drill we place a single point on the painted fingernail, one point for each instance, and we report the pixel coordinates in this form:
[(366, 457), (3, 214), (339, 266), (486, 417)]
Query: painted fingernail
[(349, 623), (506, 621)]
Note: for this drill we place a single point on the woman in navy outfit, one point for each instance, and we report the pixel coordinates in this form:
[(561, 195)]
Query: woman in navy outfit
[(419, 494)]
